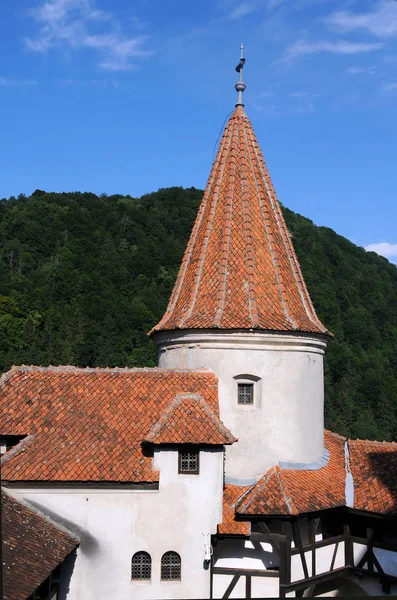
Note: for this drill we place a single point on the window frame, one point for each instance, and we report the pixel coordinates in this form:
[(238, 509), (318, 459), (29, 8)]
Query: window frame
[(189, 450), (141, 566), (170, 566), (256, 382), (251, 386)]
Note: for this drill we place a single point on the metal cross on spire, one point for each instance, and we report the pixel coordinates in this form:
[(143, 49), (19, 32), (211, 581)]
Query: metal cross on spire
[(240, 85)]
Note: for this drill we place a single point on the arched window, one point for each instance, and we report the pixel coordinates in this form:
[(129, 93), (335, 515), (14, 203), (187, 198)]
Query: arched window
[(171, 566), (141, 566)]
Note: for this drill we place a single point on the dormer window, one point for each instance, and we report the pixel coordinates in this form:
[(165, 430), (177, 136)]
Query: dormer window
[(189, 462), (245, 393)]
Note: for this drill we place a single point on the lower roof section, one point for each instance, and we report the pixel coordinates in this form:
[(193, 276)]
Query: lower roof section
[(32, 547), (359, 474)]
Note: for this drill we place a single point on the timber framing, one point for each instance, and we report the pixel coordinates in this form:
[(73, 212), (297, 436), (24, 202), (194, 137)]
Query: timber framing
[(300, 539)]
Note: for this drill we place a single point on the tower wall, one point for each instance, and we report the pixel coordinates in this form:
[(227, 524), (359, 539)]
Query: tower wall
[(286, 421)]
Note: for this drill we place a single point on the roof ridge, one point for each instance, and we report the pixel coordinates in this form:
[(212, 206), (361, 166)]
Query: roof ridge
[(19, 447), (74, 369), (249, 255), (224, 256), (273, 253), (204, 244), (371, 442), (335, 435), (283, 486), (159, 425)]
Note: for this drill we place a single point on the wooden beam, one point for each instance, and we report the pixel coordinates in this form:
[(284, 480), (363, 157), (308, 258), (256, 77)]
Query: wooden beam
[(327, 542), (274, 538), (370, 535), (334, 556), (248, 587), (349, 556), (298, 542), (314, 526), (285, 556), (231, 586), (304, 583), (382, 545), (245, 572)]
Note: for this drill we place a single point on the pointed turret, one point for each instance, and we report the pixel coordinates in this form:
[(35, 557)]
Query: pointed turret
[(240, 270), (240, 307)]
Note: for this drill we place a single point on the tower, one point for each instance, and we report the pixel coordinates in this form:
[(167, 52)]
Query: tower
[(240, 306)]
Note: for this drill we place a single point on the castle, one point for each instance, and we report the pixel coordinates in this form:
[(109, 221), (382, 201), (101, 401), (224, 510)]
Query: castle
[(210, 476)]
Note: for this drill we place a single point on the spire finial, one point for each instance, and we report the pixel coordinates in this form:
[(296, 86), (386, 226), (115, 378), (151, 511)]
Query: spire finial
[(240, 85)]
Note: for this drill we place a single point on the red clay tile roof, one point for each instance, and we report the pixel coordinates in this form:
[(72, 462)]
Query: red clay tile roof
[(189, 420), (240, 270), (374, 469), (229, 525), (88, 424), (293, 491), (32, 548), (268, 496), (373, 466)]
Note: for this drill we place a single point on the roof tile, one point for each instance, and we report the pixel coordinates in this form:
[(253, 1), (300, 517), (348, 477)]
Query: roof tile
[(88, 424), (32, 548), (240, 270)]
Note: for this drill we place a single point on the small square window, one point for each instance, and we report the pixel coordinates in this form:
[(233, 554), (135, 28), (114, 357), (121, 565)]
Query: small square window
[(245, 393), (189, 462)]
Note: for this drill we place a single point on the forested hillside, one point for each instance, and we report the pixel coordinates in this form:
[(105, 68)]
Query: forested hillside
[(83, 278)]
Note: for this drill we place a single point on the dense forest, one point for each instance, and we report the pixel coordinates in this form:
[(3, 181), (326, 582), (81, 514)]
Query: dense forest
[(83, 278)]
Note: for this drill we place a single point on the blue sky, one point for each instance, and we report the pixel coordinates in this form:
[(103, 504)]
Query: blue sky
[(126, 96)]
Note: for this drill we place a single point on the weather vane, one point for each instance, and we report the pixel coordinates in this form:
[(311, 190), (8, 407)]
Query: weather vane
[(240, 85)]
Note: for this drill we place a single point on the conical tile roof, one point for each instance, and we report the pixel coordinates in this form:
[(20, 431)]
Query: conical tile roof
[(240, 270)]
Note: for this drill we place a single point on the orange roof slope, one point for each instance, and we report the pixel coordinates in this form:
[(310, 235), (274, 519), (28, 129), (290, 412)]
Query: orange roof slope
[(374, 469), (229, 526), (32, 548), (189, 420), (240, 270), (88, 424), (292, 491)]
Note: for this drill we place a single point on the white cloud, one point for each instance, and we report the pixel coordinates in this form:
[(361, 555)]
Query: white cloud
[(243, 9), (303, 48), (384, 249), (355, 70), (78, 24), (5, 81), (381, 21), (389, 87)]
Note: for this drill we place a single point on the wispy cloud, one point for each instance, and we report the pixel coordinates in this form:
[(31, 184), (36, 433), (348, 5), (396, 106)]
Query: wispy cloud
[(389, 87), (243, 9), (384, 249), (303, 48), (380, 21), (6, 82), (79, 24)]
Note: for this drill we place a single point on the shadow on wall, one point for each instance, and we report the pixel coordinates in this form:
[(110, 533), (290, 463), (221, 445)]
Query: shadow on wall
[(88, 544)]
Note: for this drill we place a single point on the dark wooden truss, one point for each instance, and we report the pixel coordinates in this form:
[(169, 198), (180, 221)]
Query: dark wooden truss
[(370, 536)]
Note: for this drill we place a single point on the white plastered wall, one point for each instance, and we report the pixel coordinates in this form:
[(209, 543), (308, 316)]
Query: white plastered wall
[(113, 525), (286, 422)]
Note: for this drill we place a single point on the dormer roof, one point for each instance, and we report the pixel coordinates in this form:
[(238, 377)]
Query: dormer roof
[(189, 420), (240, 270)]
